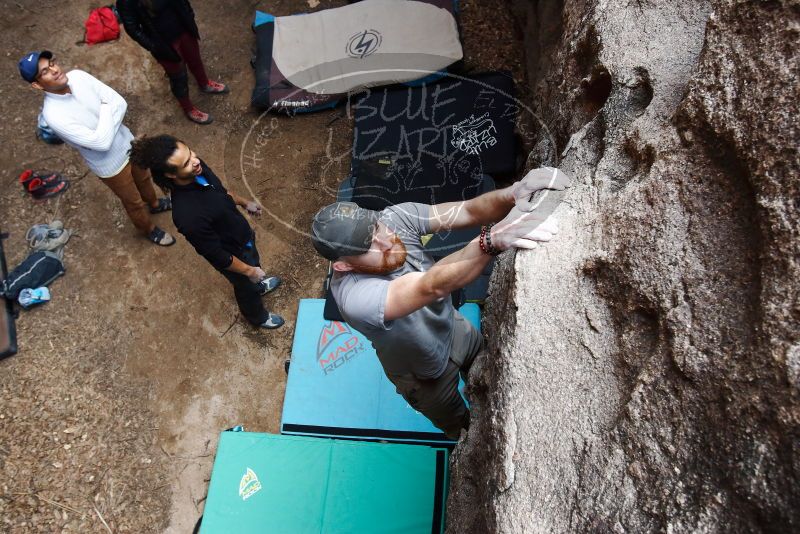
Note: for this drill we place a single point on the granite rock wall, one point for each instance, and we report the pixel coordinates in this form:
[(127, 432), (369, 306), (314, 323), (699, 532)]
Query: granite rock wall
[(642, 371)]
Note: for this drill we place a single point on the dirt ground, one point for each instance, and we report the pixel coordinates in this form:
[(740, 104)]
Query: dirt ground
[(110, 413)]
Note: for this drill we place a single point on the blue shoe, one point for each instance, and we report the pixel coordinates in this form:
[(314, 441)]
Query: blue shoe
[(268, 284), (274, 321)]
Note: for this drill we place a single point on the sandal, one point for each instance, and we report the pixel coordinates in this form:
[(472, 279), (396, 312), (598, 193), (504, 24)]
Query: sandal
[(195, 115), (164, 204), (161, 238), (215, 88)]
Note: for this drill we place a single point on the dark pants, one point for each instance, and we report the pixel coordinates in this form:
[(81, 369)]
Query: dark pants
[(247, 293), (438, 399), (189, 50)]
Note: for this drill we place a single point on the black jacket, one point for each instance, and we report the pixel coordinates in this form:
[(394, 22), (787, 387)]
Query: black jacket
[(139, 25), (210, 221)]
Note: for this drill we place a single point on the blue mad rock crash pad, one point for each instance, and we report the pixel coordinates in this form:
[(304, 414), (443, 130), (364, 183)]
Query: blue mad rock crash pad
[(289, 484), (337, 388)]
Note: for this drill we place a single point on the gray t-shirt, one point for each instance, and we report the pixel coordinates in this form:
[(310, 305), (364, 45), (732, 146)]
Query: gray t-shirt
[(418, 343)]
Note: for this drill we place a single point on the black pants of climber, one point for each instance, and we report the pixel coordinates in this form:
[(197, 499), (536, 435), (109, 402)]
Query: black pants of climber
[(248, 295)]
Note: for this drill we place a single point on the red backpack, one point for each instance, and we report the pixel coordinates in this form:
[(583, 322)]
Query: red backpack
[(101, 26)]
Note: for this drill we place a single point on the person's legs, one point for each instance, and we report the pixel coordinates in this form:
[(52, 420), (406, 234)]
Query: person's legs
[(124, 187), (248, 298), (141, 177), (248, 295), (178, 83), (437, 399), (189, 49), (467, 342)]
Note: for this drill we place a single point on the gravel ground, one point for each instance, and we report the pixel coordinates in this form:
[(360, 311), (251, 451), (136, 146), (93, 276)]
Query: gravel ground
[(109, 414)]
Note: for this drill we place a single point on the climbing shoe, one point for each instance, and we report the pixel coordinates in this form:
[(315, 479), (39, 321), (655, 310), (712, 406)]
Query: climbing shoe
[(215, 88), (42, 185)]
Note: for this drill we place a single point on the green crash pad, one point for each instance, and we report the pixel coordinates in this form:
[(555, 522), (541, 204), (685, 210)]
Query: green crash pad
[(268, 483)]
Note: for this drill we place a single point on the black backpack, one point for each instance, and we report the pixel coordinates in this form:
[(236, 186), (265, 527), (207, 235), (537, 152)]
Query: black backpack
[(39, 269)]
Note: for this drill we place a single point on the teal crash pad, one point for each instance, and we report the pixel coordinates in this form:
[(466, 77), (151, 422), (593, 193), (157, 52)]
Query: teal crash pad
[(337, 388), (296, 485)]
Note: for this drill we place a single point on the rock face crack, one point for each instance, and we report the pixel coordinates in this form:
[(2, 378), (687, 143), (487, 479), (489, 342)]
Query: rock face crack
[(645, 365)]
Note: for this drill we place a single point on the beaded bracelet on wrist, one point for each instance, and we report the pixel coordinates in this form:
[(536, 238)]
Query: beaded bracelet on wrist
[(485, 241), (492, 249), (482, 239)]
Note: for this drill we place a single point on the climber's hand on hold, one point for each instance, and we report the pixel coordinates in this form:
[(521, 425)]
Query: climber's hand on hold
[(544, 178), (523, 229)]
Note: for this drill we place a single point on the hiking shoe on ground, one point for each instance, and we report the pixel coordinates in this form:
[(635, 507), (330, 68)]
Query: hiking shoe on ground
[(26, 177), (161, 238), (164, 204), (39, 189), (42, 184), (195, 115), (51, 177), (215, 88), (46, 177), (274, 321), (268, 284)]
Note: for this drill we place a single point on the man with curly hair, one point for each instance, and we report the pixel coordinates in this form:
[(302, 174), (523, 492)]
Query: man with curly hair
[(206, 214)]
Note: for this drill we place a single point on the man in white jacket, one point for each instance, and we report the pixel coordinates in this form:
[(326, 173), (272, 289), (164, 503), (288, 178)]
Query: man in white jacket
[(87, 115)]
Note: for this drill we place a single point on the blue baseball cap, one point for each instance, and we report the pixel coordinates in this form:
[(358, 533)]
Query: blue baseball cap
[(29, 64)]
